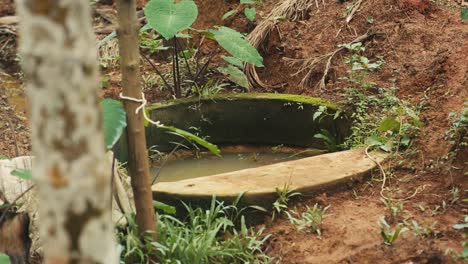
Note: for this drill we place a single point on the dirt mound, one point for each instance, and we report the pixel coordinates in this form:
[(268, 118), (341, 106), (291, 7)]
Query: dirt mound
[(423, 46)]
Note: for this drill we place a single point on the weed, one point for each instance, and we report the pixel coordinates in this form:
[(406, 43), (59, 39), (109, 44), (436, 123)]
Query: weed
[(329, 140), (310, 220), (149, 81), (423, 231), (389, 236), (455, 195), (380, 118), (284, 195), (206, 236), (151, 42), (394, 207), (457, 134), (208, 89)]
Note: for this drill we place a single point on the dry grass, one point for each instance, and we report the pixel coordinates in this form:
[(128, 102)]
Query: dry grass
[(308, 66), (292, 10)]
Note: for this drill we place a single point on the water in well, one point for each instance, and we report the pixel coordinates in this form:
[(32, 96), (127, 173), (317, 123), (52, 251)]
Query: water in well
[(192, 167)]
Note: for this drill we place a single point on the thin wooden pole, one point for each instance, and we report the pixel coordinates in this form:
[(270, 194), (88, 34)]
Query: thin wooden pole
[(138, 162)]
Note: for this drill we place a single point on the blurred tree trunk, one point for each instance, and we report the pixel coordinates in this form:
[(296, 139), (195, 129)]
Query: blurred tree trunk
[(138, 161), (71, 172)]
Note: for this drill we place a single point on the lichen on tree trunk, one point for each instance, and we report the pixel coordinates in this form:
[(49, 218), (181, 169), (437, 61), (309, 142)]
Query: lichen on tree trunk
[(59, 59)]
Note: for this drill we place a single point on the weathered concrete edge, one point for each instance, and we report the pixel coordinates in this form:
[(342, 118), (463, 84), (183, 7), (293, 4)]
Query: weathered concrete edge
[(266, 198)]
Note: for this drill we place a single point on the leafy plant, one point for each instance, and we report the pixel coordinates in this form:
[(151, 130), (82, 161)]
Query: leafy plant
[(152, 43), (423, 231), (310, 220), (394, 207), (328, 138), (205, 236), (284, 196), (380, 119), (457, 133), (208, 89), (389, 236), (464, 254), (170, 19)]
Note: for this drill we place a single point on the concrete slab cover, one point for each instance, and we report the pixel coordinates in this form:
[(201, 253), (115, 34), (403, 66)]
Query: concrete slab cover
[(259, 184)]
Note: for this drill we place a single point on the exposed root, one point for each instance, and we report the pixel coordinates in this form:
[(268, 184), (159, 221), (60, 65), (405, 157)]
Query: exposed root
[(384, 180), (290, 9), (309, 65)]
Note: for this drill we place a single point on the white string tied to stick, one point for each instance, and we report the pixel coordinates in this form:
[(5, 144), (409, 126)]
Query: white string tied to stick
[(143, 103)]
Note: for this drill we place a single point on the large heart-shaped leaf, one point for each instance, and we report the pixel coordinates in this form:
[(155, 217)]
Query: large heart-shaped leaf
[(236, 44), (169, 18), (114, 121)]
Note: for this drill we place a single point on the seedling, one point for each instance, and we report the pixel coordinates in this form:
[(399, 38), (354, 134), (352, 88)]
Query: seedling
[(395, 208), (310, 220), (284, 195), (423, 231), (389, 236)]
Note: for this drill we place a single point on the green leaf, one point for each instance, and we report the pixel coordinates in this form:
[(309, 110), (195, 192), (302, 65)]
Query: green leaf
[(168, 209), (103, 41), (247, 1), (23, 174), (236, 44), (389, 123), (460, 226), (464, 13), (250, 13), (405, 140), (235, 75), (4, 259), (8, 205), (376, 140), (234, 61), (3, 157), (229, 14), (169, 18), (114, 121), (189, 136)]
